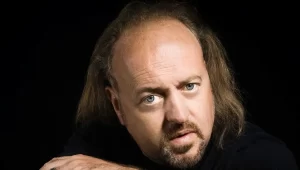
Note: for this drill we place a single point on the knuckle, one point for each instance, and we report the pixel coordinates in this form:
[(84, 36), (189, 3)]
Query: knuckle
[(75, 163), (77, 156), (47, 164), (53, 159)]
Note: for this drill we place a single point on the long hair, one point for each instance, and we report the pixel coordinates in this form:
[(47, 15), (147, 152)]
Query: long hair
[(95, 106)]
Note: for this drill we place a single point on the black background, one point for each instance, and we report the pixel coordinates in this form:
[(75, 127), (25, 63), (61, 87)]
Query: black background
[(46, 53)]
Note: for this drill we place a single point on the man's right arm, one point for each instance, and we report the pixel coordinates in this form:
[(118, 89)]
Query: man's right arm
[(77, 145), (82, 152)]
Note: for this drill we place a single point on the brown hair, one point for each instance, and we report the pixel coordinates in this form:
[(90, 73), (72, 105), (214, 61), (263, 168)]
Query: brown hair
[(95, 106)]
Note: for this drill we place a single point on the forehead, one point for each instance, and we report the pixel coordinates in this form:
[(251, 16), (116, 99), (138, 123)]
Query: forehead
[(155, 48)]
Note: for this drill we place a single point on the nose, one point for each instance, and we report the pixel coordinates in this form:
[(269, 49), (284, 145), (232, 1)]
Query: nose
[(176, 110)]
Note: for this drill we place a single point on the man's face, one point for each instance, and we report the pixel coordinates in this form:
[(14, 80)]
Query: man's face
[(164, 97)]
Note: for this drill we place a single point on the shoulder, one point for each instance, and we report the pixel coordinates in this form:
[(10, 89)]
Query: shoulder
[(111, 143), (256, 149)]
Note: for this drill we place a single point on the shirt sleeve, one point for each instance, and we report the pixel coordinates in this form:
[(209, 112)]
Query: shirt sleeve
[(265, 155), (83, 142)]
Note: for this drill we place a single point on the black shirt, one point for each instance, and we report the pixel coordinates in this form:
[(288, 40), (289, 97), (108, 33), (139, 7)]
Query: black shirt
[(255, 149)]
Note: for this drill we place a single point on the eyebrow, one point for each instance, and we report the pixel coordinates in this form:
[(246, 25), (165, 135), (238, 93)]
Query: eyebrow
[(160, 90)]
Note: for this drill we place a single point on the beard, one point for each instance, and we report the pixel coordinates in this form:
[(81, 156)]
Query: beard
[(176, 156)]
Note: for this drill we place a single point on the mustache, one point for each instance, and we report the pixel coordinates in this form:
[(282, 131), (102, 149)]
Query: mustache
[(175, 130)]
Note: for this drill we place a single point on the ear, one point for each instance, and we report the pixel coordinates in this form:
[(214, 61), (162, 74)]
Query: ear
[(115, 102)]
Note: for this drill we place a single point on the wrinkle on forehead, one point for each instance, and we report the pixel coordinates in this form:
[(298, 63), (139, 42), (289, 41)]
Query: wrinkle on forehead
[(151, 31), (148, 75), (152, 50), (162, 59)]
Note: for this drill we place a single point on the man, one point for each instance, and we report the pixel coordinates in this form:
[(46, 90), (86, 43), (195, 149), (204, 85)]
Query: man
[(160, 95)]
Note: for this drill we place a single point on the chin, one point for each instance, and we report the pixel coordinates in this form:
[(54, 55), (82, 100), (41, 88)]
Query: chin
[(193, 153), (184, 160)]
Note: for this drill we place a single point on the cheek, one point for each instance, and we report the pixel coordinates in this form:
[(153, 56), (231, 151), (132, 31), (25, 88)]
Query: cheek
[(145, 128), (202, 110)]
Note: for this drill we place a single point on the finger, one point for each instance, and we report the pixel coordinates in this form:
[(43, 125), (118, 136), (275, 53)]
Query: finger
[(55, 163), (68, 157), (74, 165), (59, 158)]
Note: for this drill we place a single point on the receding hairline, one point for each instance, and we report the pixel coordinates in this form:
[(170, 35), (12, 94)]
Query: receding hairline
[(136, 29), (152, 20)]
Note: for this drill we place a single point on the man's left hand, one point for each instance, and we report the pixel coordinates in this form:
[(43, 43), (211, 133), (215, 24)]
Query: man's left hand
[(80, 162)]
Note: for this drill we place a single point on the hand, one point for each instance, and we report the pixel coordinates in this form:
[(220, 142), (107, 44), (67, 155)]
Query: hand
[(82, 162)]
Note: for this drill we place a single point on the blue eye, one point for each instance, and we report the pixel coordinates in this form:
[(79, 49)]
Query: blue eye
[(190, 86), (150, 99)]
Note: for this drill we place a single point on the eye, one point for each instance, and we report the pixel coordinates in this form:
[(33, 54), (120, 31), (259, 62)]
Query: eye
[(151, 99), (190, 86)]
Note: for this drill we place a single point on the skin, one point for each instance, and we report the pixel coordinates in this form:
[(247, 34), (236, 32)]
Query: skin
[(165, 59)]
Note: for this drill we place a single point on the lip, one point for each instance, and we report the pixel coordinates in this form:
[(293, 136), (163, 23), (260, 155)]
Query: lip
[(182, 133), (183, 138)]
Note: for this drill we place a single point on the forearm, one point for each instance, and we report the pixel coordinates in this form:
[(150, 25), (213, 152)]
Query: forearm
[(84, 162)]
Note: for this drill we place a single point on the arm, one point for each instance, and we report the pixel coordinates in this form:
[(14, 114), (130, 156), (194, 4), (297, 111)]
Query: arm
[(82, 153), (265, 155), (81, 162), (77, 144)]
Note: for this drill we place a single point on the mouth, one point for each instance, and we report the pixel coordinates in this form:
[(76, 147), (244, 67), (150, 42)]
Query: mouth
[(182, 134), (183, 138)]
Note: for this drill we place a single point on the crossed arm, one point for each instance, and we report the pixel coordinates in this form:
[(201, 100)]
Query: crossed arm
[(79, 155), (83, 162)]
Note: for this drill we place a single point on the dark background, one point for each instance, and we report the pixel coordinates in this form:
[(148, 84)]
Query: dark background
[(46, 50)]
